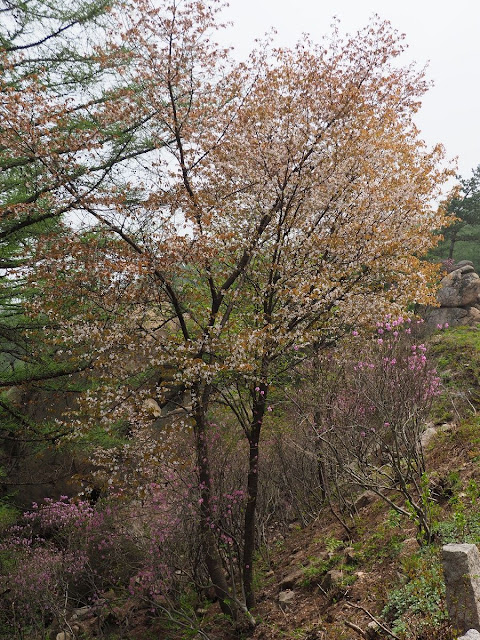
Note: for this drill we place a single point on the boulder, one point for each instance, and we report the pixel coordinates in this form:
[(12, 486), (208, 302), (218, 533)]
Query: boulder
[(409, 547), (461, 568), (472, 634), (460, 288), (459, 298), (463, 263), (373, 630), (428, 435), (453, 316), (82, 613)]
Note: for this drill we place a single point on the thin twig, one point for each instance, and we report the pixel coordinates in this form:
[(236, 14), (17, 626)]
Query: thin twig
[(383, 627), (356, 628)]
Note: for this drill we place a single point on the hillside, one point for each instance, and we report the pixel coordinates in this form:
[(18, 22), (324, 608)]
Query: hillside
[(322, 582), (340, 583), (339, 575)]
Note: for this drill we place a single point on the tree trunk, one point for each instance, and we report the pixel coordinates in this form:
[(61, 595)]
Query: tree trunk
[(209, 543), (252, 493), (452, 246), (321, 466)]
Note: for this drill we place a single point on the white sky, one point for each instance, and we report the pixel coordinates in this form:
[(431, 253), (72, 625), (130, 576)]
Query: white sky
[(445, 33)]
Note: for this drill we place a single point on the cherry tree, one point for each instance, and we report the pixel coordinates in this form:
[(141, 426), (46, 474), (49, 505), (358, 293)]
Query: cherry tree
[(289, 198)]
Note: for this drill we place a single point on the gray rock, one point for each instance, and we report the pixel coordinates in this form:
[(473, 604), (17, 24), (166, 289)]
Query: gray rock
[(81, 613), (286, 598), (364, 499), (409, 546), (373, 629), (454, 316), (462, 264), (289, 581), (461, 567), (471, 634), (460, 288), (331, 579), (64, 635)]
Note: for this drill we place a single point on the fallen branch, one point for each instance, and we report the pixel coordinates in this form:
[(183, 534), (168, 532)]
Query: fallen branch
[(356, 628), (383, 627)]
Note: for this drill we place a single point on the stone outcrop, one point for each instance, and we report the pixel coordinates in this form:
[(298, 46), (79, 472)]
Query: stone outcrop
[(459, 298), (471, 634), (461, 568)]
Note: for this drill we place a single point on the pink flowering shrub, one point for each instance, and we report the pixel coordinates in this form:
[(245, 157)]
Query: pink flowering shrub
[(66, 553), (38, 570), (141, 540), (365, 405)]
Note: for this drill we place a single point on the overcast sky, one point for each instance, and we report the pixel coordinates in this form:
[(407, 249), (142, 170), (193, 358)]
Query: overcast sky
[(444, 33)]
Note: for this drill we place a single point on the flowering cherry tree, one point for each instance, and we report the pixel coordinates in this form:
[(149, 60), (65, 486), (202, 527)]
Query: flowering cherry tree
[(290, 200)]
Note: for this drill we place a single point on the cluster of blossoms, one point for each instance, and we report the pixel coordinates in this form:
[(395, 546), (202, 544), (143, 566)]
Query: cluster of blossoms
[(67, 543), (396, 366), (60, 513)]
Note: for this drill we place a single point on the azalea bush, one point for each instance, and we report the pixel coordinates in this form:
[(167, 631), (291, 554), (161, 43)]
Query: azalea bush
[(365, 405), (67, 553), (140, 539)]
